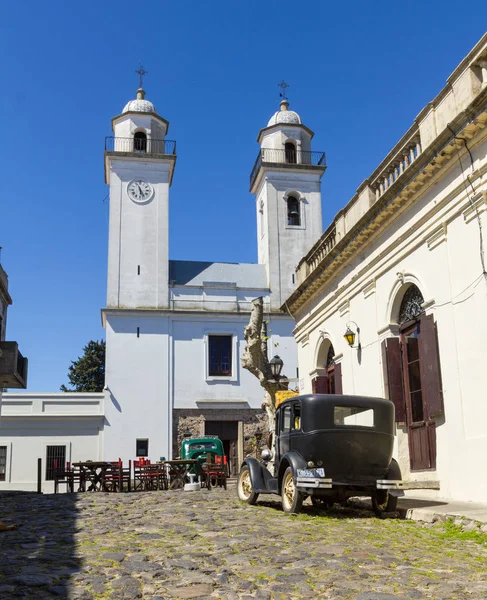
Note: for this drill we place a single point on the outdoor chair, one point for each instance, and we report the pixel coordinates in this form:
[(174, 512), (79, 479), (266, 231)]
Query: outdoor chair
[(68, 476), (113, 480)]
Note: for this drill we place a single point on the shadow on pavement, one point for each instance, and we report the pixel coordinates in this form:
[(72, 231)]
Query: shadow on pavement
[(38, 558)]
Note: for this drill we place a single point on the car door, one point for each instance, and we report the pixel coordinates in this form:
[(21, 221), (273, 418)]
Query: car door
[(285, 430)]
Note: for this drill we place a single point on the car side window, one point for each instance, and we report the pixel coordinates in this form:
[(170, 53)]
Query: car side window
[(286, 418), (297, 416)]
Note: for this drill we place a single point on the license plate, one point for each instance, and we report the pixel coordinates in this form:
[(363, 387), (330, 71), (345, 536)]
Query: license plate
[(311, 472)]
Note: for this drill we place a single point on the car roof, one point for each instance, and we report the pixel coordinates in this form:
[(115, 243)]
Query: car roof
[(344, 400)]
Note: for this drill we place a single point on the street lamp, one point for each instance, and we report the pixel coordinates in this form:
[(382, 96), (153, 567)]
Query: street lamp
[(349, 335), (276, 365)]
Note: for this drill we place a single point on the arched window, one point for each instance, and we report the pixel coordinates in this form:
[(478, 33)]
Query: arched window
[(293, 215), (140, 141), (410, 308), (290, 152)]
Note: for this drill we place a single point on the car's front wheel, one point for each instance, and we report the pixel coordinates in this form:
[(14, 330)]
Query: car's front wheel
[(245, 489), (292, 498)]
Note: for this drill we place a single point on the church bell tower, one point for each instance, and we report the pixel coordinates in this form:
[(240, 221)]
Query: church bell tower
[(286, 181), (139, 167)]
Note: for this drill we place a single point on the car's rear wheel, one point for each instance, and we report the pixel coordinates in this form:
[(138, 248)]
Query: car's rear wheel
[(382, 500), (245, 489), (292, 498)]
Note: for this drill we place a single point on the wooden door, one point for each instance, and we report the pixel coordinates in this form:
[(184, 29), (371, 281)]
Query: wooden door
[(417, 367)]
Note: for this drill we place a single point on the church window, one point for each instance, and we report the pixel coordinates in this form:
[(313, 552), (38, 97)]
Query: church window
[(55, 459), (140, 141), (3, 462), (293, 216), (290, 152), (142, 447), (220, 355)]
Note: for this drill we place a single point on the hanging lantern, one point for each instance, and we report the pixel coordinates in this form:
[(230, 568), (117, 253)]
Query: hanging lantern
[(349, 336)]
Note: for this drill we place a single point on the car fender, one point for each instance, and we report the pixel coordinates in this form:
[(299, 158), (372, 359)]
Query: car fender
[(293, 460), (259, 475)]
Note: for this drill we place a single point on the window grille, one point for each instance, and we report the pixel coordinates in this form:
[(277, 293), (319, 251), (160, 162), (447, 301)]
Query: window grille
[(220, 355), (411, 305), (55, 459), (3, 462), (329, 359)]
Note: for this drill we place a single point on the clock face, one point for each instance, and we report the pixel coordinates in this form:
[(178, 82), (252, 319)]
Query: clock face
[(140, 190)]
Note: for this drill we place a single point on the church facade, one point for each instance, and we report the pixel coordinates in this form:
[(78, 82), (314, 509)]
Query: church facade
[(402, 272), (174, 329)]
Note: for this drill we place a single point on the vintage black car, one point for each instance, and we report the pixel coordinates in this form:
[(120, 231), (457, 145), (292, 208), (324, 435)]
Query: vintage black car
[(328, 447)]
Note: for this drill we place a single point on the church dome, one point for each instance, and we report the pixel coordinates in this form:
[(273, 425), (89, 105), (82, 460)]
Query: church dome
[(139, 104), (285, 116)]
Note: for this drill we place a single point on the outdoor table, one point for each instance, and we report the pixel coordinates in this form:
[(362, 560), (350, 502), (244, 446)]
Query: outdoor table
[(92, 474), (178, 470)]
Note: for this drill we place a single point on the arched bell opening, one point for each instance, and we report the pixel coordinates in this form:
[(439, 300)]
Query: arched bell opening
[(293, 212), (140, 141), (290, 153)]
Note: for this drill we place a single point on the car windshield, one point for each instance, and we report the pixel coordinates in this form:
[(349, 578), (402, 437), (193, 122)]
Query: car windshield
[(203, 446)]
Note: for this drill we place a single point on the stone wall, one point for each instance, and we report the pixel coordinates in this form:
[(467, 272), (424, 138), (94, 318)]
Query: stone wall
[(254, 420)]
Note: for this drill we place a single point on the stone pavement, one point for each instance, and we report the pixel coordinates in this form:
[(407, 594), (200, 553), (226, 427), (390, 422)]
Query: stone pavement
[(208, 545), (430, 511)]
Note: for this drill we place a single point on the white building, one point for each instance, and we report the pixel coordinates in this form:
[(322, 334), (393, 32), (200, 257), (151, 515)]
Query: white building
[(174, 329), (403, 265)]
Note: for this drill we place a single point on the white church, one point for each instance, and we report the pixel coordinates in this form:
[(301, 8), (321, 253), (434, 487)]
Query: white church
[(174, 329)]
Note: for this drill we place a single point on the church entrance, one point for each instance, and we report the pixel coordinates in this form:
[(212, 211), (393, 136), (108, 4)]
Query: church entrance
[(227, 431)]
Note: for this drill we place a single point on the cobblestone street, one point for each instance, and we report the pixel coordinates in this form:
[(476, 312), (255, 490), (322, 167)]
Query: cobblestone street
[(207, 544)]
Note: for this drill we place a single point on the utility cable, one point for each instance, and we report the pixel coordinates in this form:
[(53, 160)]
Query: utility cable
[(479, 220)]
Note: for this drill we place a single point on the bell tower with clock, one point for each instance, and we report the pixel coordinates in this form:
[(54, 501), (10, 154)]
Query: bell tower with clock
[(139, 166)]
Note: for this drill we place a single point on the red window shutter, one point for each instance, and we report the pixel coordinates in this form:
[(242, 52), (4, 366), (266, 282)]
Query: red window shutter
[(338, 379), (391, 362), (429, 363), (320, 385)]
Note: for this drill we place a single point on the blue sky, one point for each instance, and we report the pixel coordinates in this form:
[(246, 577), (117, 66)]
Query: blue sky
[(359, 74)]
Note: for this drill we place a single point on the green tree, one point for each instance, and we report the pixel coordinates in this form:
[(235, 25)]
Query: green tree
[(87, 374)]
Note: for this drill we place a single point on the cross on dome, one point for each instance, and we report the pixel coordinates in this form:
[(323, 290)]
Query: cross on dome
[(141, 72), (283, 85)]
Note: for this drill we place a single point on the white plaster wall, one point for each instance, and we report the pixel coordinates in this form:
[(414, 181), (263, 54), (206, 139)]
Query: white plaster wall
[(276, 137), (436, 245), (138, 381), (31, 422), (138, 235), (286, 245), (190, 359), (126, 125)]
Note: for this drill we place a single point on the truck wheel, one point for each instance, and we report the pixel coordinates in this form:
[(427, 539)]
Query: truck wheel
[(245, 490), (292, 499), (382, 501)]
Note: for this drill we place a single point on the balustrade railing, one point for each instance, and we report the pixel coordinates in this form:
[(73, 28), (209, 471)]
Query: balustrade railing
[(140, 146), (322, 250), (289, 157)]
